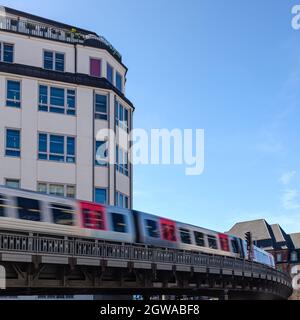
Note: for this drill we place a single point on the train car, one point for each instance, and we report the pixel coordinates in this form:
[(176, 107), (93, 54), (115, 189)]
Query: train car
[(31, 212), (26, 211), (263, 257), (161, 232)]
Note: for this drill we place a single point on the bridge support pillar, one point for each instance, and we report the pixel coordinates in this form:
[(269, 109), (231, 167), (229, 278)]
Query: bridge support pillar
[(224, 295)]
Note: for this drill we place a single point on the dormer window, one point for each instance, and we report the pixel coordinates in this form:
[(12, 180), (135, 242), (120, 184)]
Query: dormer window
[(7, 52), (95, 67), (54, 61), (110, 73), (119, 81)]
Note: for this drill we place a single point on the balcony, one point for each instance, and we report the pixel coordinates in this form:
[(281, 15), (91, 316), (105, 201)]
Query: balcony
[(72, 36)]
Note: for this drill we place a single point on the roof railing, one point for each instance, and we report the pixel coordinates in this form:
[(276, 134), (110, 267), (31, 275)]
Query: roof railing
[(73, 36)]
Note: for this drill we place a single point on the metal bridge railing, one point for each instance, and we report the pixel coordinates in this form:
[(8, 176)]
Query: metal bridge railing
[(96, 249)]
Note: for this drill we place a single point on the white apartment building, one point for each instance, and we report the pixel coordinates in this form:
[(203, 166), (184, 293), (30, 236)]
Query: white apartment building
[(59, 85)]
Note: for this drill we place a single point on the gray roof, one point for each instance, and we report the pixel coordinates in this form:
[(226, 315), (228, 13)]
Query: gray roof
[(259, 229), (279, 234), (269, 236), (295, 237)]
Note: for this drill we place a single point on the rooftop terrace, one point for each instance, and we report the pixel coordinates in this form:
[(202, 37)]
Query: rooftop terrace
[(20, 22)]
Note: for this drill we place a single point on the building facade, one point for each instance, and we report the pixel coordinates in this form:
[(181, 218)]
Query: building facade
[(60, 85), (272, 238)]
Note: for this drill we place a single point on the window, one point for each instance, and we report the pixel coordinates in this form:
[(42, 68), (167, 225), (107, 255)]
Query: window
[(95, 67), (12, 183), (2, 205), (185, 236), (279, 257), (29, 209), (119, 81), (61, 100), (99, 220), (100, 107), (152, 228), (62, 214), (212, 242), (235, 246), (61, 190), (7, 52), (110, 73), (294, 256), (54, 61), (100, 196), (87, 219), (101, 154), (199, 239), (56, 148), (93, 219), (122, 161), (13, 94), (122, 200), (118, 222), (71, 192), (56, 190), (13, 143), (121, 116)]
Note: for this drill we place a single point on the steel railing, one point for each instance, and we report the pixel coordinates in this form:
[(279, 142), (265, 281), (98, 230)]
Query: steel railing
[(33, 28), (74, 247)]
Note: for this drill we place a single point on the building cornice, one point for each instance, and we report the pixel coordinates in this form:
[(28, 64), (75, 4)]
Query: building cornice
[(65, 77)]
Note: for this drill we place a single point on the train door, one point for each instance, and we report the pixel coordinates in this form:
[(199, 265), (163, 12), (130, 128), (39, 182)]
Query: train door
[(168, 230), (224, 242), (93, 216)]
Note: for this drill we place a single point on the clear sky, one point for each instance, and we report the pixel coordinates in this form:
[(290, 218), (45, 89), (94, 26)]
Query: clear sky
[(231, 67)]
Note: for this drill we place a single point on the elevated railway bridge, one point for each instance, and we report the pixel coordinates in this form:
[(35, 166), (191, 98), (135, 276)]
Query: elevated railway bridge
[(46, 265)]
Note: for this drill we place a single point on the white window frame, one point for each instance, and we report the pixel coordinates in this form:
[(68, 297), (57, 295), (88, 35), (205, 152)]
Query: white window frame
[(54, 60), (49, 184), (2, 43), (5, 143), (107, 106), (14, 180), (121, 124), (48, 153), (6, 89), (117, 198), (48, 105), (121, 165)]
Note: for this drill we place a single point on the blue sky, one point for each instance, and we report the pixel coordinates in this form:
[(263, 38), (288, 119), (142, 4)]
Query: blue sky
[(230, 67)]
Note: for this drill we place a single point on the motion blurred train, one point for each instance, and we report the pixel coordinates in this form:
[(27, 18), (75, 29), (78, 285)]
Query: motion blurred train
[(31, 212)]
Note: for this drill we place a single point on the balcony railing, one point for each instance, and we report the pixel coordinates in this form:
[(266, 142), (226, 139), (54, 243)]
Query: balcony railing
[(53, 33)]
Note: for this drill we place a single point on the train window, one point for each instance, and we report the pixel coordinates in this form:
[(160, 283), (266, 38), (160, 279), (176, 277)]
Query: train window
[(29, 209), (212, 242), (62, 214), (152, 228), (185, 236), (235, 246), (199, 239), (87, 219), (2, 205), (98, 220), (118, 221)]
